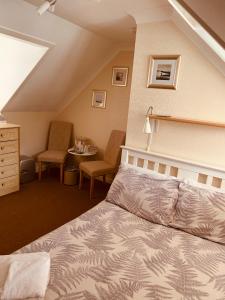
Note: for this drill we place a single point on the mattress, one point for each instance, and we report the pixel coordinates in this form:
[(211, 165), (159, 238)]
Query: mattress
[(110, 253)]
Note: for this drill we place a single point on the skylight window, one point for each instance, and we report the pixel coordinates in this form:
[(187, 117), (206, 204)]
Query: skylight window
[(197, 27), (17, 59)]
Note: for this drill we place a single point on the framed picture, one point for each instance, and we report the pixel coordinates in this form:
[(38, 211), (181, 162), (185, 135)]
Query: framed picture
[(99, 99), (163, 71), (119, 76)]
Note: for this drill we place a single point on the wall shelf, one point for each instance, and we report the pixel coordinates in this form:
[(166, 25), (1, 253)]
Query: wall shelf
[(189, 121)]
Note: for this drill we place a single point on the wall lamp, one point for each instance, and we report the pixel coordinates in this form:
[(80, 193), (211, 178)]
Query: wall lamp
[(47, 5), (147, 129)]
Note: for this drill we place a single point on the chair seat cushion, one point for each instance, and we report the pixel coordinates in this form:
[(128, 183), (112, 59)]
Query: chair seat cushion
[(96, 168), (54, 156)]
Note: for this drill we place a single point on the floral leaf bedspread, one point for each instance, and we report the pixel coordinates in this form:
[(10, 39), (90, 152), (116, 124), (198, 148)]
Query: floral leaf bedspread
[(109, 253)]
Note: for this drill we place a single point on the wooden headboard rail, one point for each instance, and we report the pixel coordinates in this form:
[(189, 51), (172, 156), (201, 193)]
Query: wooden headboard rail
[(180, 168)]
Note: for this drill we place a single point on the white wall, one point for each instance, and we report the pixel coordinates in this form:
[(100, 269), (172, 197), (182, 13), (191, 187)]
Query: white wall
[(33, 130), (200, 95), (94, 123)]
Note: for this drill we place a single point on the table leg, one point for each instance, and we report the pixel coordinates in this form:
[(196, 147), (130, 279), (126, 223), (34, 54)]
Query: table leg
[(61, 173), (81, 180), (39, 170), (92, 187)]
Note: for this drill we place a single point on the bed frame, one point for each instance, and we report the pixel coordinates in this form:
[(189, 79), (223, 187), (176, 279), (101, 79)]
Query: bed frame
[(182, 169)]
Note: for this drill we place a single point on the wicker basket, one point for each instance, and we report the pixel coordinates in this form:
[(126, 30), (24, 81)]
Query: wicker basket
[(71, 177)]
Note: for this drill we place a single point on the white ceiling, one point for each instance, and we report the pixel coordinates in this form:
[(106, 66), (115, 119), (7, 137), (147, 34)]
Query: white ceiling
[(114, 19), (75, 56)]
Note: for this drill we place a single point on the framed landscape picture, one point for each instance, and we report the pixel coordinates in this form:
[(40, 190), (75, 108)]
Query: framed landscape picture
[(99, 99), (163, 71), (119, 76)]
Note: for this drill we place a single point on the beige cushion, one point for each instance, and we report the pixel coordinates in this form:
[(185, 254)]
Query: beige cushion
[(59, 135), (52, 156), (96, 168)]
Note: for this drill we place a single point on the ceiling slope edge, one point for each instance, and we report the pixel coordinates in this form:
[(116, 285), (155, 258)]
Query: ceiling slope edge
[(155, 14), (206, 23), (167, 12), (205, 50)]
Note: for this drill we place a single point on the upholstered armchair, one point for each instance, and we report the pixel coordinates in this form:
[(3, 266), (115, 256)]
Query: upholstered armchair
[(107, 166), (58, 143)]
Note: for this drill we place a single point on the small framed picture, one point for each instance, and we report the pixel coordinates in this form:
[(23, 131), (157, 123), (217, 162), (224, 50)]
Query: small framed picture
[(99, 99), (163, 71), (119, 76)]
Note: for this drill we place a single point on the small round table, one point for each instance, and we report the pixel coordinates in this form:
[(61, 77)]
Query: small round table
[(73, 152), (80, 157)]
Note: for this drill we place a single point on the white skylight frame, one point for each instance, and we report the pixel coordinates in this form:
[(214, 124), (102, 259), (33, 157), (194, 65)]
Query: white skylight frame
[(11, 81), (199, 29)]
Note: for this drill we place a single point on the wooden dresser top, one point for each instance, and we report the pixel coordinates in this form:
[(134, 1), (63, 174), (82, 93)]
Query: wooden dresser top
[(8, 125)]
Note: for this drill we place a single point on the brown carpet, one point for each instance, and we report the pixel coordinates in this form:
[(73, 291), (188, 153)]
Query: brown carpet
[(39, 208)]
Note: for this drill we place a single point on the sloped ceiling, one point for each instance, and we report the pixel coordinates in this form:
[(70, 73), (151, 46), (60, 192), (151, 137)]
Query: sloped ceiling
[(78, 52), (210, 22), (212, 13), (205, 50)]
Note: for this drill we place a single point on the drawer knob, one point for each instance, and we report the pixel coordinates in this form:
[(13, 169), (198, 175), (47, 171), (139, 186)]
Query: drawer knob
[(3, 184), (1, 135), (2, 147), (2, 172), (2, 160)]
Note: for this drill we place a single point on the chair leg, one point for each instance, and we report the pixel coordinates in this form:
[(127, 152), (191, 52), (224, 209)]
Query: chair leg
[(61, 173), (39, 170), (81, 180), (104, 176), (92, 187), (48, 169)]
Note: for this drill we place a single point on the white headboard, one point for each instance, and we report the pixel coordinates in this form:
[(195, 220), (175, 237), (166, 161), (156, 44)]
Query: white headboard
[(179, 168)]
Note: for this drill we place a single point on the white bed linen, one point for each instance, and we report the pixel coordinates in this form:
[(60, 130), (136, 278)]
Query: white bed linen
[(24, 275)]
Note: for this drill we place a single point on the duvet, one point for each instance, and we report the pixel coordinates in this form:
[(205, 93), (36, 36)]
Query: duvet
[(109, 253)]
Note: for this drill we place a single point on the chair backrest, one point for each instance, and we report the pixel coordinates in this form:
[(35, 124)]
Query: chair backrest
[(113, 150), (59, 135)]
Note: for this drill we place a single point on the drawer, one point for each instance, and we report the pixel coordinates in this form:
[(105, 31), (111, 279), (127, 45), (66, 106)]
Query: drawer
[(9, 159), (7, 147), (8, 134), (9, 185), (8, 171)]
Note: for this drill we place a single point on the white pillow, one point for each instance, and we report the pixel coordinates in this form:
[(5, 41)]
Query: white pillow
[(203, 186), (154, 174), (144, 194)]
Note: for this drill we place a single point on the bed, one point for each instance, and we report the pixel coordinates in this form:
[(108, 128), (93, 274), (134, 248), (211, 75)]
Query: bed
[(115, 252)]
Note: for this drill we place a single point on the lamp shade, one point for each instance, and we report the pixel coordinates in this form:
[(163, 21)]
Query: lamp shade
[(44, 7), (52, 8), (147, 126)]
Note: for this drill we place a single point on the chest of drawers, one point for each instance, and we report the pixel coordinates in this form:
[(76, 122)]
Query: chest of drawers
[(9, 158)]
